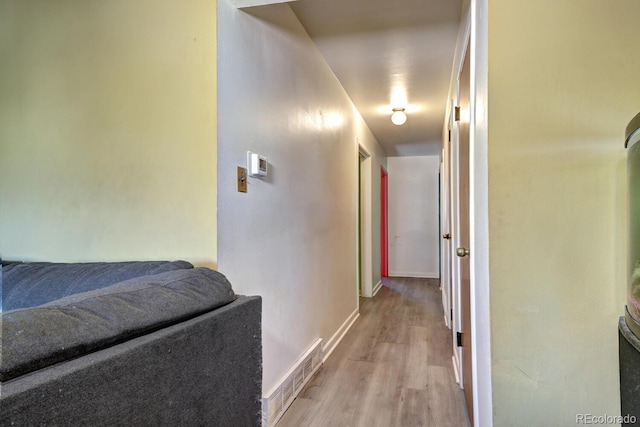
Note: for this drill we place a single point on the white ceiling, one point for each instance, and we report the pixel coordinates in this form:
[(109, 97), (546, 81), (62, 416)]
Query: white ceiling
[(386, 49)]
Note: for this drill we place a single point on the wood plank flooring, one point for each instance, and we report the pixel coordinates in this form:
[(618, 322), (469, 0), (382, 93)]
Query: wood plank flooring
[(393, 368)]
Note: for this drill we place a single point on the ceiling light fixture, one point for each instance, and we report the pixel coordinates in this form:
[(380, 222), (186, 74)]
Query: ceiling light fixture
[(398, 117)]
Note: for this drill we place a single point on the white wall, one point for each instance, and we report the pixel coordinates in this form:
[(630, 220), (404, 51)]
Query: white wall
[(563, 84), (413, 216), (292, 237), (108, 130)]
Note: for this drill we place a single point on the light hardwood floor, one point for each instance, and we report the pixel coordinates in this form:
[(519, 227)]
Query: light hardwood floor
[(393, 368)]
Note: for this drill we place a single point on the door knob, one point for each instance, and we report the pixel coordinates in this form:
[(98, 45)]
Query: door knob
[(462, 252), (446, 236)]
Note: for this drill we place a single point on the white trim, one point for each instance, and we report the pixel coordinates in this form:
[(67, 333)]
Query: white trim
[(445, 248), (362, 150), (456, 321), (420, 275), (333, 342), (377, 287), (365, 192), (479, 226), (455, 371)]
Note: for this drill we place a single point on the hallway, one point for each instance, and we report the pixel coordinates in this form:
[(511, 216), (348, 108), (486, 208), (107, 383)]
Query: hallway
[(393, 368)]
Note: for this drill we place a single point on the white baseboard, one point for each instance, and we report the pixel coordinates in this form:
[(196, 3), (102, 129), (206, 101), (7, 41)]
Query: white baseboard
[(377, 288), (455, 369), (282, 395), (332, 342), (419, 275)]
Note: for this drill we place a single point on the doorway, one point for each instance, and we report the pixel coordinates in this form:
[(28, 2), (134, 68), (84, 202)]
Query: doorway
[(384, 223), (361, 159), (364, 223)]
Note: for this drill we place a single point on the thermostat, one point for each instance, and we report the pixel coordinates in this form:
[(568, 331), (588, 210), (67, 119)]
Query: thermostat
[(256, 164)]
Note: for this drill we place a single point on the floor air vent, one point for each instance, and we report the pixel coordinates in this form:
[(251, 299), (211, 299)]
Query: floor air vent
[(282, 395)]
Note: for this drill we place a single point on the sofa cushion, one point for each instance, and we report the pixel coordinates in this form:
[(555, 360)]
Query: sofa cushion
[(32, 338), (35, 283)]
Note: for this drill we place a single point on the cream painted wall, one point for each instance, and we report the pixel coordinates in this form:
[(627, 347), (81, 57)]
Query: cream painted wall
[(563, 83), (413, 216), (108, 130), (292, 237)]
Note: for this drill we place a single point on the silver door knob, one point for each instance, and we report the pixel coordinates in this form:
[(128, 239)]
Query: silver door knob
[(462, 252)]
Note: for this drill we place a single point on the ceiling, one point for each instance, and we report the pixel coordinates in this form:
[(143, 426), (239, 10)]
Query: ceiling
[(386, 54)]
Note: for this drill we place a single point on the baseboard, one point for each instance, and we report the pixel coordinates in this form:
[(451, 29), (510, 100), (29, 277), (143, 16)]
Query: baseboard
[(455, 369), (414, 274), (332, 342), (377, 288), (280, 397)]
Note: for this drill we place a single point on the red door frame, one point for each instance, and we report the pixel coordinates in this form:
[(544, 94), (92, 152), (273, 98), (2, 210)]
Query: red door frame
[(384, 223)]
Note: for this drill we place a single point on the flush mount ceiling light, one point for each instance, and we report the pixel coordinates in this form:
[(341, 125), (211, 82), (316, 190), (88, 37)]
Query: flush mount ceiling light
[(398, 117)]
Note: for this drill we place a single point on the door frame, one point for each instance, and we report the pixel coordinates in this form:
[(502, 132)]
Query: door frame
[(365, 220), (474, 27), (384, 222), (479, 213), (445, 219), (462, 238)]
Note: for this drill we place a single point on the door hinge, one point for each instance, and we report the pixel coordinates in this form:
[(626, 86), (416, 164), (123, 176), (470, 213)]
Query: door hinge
[(457, 114), (451, 316), (459, 339), (449, 135)]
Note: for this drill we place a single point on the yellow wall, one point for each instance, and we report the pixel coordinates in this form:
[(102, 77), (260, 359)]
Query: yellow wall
[(563, 84), (108, 130)]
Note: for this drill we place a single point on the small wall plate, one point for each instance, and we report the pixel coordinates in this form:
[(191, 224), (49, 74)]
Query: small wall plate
[(242, 179)]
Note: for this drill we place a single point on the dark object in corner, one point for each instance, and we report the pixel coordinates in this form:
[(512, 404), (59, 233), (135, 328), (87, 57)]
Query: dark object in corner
[(629, 372)]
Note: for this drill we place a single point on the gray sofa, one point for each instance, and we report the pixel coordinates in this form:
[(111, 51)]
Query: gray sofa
[(123, 344)]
